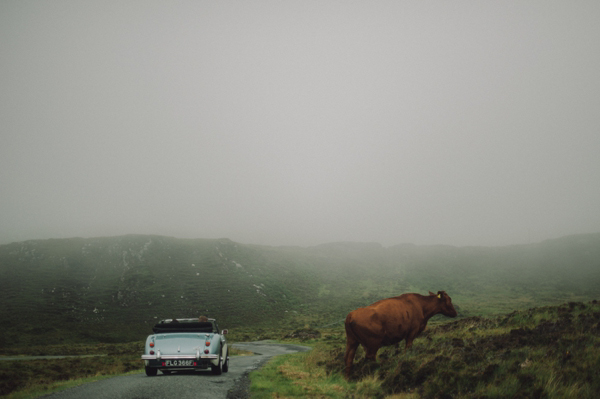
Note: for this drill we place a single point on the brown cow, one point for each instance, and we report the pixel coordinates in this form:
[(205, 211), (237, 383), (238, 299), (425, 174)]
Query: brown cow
[(389, 321)]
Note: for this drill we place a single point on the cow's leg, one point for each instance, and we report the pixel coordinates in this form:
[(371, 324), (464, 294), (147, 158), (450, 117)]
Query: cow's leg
[(351, 347), (371, 352), (409, 341), (349, 357)]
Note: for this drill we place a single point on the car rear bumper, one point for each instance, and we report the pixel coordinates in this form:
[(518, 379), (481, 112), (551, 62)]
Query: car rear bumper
[(166, 361), (172, 357), (193, 364)]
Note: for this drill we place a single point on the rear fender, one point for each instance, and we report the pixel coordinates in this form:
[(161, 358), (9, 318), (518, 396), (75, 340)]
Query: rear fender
[(222, 352)]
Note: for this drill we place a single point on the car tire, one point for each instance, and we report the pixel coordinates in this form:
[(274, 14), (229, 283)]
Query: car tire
[(226, 364), (151, 371), (217, 370)]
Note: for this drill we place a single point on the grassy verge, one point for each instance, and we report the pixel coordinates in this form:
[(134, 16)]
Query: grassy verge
[(295, 376), (36, 390), (548, 352), (31, 378)]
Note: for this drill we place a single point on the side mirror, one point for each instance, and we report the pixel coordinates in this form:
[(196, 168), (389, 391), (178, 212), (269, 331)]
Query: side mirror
[(224, 332)]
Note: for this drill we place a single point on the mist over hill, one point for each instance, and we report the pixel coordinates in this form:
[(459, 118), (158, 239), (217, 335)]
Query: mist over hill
[(114, 288)]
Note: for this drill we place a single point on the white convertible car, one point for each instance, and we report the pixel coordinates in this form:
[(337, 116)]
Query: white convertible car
[(186, 344)]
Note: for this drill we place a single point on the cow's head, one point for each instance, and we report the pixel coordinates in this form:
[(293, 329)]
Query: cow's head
[(445, 303)]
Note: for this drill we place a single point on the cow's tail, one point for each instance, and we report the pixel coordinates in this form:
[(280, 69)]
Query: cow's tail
[(352, 343), (351, 336)]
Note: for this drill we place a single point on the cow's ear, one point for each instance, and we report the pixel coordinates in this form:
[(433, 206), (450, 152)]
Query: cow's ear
[(439, 294), (431, 293)]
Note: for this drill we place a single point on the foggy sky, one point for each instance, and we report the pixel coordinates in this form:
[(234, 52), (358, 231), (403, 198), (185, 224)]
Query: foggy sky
[(300, 122)]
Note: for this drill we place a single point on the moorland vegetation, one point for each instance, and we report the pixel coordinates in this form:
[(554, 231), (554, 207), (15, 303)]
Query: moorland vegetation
[(98, 292), (545, 352)]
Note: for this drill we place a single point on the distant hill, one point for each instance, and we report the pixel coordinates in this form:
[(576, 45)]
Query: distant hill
[(114, 288)]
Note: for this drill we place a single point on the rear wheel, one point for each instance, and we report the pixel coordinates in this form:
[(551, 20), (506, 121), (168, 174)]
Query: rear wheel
[(151, 371), (218, 369), (226, 364)]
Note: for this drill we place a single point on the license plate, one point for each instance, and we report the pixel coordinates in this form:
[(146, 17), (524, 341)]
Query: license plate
[(179, 363)]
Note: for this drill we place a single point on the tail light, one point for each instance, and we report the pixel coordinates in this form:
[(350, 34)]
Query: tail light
[(151, 344), (206, 351), (152, 352)]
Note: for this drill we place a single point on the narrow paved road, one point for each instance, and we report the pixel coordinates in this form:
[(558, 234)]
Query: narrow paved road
[(198, 385)]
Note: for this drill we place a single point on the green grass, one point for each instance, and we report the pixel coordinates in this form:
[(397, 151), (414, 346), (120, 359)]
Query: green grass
[(35, 390), (296, 376), (28, 377)]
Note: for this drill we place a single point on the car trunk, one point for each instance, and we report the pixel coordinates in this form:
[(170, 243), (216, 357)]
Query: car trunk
[(180, 343)]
